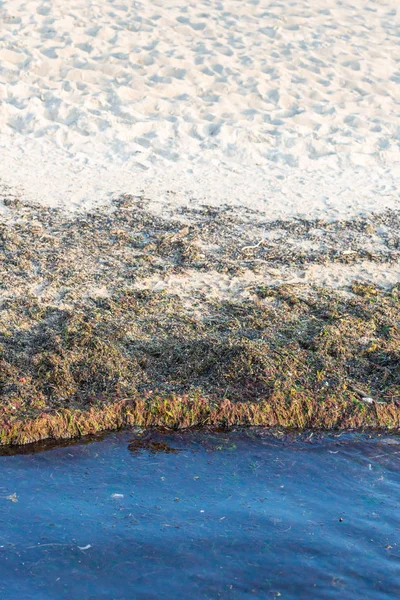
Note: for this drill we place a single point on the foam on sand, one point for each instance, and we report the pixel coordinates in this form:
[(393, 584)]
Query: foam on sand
[(290, 108)]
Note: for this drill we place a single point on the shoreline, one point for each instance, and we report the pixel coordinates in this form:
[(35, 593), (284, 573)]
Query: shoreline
[(296, 416), (87, 343)]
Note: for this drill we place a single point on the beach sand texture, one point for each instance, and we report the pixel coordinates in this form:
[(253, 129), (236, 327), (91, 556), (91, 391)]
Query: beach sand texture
[(291, 108)]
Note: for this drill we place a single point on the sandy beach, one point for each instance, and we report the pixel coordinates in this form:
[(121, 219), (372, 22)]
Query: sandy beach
[(178, 176)]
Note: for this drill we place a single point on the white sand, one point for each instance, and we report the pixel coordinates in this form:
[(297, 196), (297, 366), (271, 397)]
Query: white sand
[(291, 107), (215, 285)]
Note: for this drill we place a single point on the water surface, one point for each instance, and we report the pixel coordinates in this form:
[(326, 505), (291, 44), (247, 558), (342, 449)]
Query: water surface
[(202, 515)]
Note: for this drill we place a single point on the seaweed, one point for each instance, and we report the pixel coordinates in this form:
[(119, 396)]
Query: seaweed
[(82, 349)]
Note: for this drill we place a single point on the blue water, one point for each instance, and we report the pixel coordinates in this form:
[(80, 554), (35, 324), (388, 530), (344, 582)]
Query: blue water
[(202, 515)]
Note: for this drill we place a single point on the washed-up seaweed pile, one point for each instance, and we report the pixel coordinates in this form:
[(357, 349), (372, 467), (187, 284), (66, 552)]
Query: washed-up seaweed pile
[(83, 349)]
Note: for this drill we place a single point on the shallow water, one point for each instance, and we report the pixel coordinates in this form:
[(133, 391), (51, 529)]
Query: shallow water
[(202, 515)]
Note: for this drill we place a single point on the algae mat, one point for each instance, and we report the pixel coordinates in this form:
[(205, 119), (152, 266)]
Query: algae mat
[(91, 340)]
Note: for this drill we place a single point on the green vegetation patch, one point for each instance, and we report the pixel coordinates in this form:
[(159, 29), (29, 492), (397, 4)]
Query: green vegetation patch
[(291, 356), (82, 349)]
